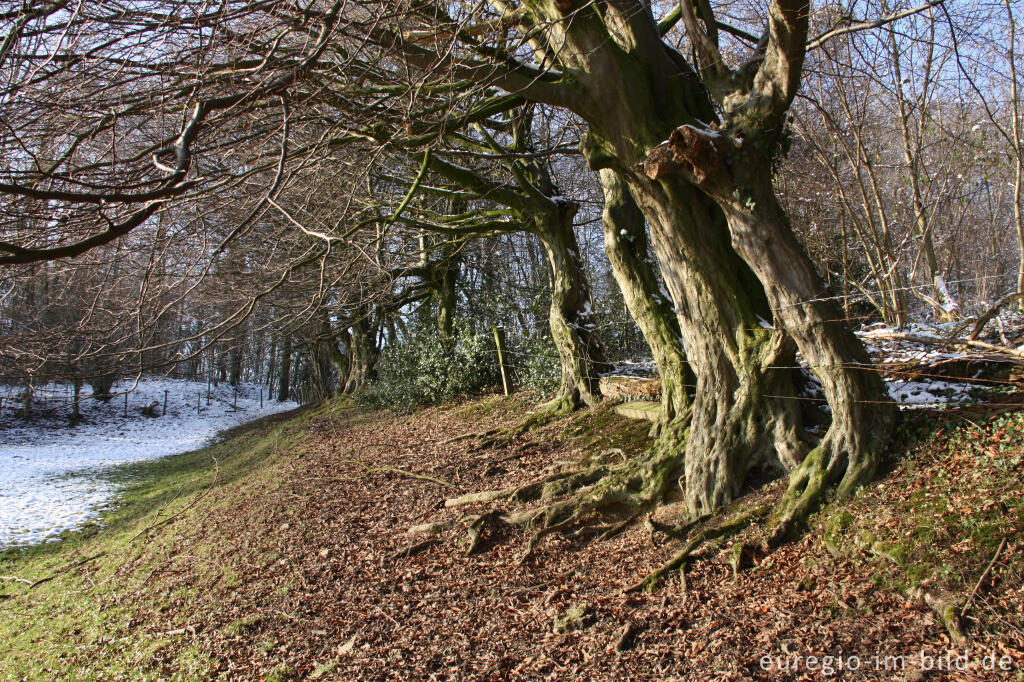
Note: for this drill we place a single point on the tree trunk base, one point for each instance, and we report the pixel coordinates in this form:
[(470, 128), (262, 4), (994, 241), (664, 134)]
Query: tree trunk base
[(603, 497)]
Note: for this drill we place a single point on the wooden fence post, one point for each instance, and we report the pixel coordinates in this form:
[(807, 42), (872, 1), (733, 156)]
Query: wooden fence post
[(499, 342)]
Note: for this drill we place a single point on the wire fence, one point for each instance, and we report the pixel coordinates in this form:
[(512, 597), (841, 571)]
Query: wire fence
[(56, 397)]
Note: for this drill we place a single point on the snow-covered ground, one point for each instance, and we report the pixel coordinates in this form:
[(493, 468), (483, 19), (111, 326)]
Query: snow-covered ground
[(923, 391), (936, 391), (52, 475)]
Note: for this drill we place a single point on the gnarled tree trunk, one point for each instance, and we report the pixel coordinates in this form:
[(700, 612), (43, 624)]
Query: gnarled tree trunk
[(571, 315), (740, 182), (626, 245), (362, 353)]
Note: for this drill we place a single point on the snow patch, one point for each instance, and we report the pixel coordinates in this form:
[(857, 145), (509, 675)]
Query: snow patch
[(53, 477)]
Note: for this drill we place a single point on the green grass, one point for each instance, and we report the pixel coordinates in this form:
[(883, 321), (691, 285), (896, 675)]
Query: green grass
[(81, 623)]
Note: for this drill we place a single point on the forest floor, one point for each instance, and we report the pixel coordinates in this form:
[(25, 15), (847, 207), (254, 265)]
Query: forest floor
[(277, 554)]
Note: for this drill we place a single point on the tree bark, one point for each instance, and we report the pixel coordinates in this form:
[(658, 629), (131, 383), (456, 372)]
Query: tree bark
[(284, 374), (739, 178), (634, 90), (235, 376), (745, 412), (625, 244), (362, 350), (570, 315)]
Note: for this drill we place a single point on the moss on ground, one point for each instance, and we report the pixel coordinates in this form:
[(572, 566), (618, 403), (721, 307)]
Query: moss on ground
[(601, 428), (954, 492)]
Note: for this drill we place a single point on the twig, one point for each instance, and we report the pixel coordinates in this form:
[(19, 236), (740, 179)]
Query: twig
[(385, 615), (977, 586), (422, 477), (48, 578), (209, 489), (16, 579)]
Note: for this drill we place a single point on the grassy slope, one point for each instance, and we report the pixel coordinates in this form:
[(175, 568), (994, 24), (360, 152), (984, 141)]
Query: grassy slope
[(115, 609), (79, 623)]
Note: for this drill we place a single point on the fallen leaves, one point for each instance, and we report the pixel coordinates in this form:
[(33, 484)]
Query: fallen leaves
[(326, 559)]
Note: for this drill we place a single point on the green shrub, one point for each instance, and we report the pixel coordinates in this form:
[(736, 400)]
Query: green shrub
[(427, 369), (537, 365)]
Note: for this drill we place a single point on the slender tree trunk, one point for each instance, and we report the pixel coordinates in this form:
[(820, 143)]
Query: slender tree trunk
[(447, 296), (946, 307), (26, 404), (235, 375), (76, 410), (271, 367), (1018, 149), (625, 243), (570, 315), (285, 372)]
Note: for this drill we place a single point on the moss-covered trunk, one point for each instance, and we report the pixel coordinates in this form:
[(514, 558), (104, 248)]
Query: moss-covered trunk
[(626, 245), (362, 354), (732, 167), (329, 349), (742, 412), (447, 297), (570, 315), (861, 416), (634, 90)]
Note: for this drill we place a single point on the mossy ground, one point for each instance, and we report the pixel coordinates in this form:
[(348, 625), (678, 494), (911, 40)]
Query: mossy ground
[(952, 493)]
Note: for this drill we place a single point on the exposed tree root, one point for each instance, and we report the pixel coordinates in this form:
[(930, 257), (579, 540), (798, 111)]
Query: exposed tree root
[(414, 548), (394, 470), (715, 534), (944, 608), (580, 499), (502, 436), (477, 526), (603, 496), (544, 414), (827, 464)]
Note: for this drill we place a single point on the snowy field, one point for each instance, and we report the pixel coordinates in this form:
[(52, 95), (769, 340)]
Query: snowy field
[(52, 475)]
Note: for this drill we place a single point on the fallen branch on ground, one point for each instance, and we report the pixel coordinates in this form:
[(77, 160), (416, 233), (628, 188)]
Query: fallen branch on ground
[(993, 351), (32, 584), (984, 575), (395, 470)]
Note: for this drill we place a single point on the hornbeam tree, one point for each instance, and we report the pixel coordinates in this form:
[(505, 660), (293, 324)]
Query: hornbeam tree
[(696, 145), (530, 202), (690, 146)]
